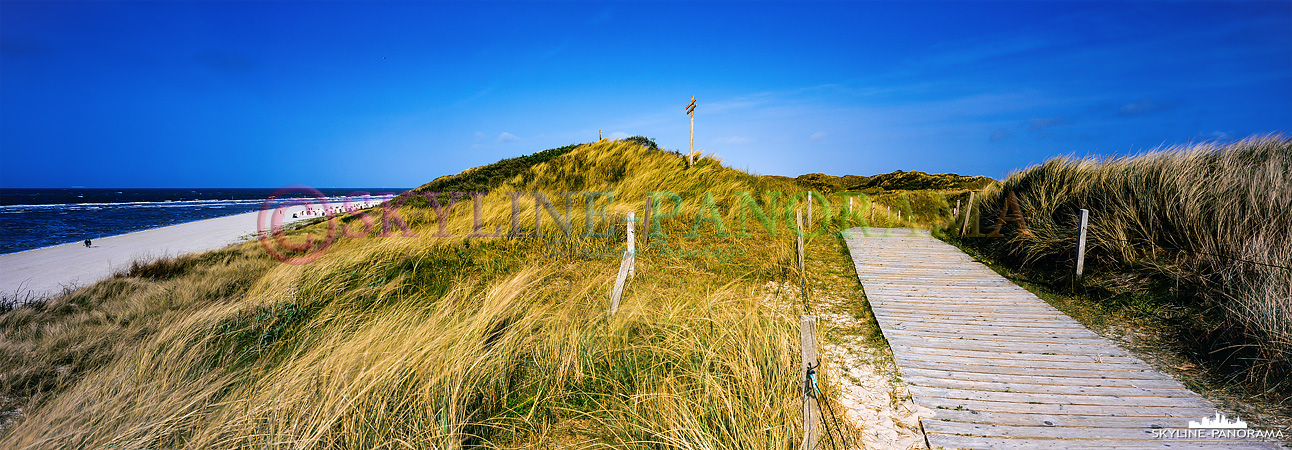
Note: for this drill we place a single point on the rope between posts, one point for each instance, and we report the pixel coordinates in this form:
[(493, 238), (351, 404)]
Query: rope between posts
[(813, 388)]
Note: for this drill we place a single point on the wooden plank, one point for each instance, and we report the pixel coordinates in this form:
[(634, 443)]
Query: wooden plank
[(1045, 432), (939, 440), (1012, 362), (1057, 420), (1020, 355), (1000, 368), (1058, 408), (970, 311), (1146, 434), (970, 321), (1001, 329), (1047, 388), (905, 360), (1007, 344), (1039, 379), (1059, 399)]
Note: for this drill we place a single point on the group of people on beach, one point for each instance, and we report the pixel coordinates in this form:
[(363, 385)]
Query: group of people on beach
[(311, 211)]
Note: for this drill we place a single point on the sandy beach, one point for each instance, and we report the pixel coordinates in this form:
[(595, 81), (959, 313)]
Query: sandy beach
[(46, 271)]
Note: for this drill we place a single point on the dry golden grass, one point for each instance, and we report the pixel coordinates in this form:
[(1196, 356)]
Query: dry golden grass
[(1205, 229), (438, 342)]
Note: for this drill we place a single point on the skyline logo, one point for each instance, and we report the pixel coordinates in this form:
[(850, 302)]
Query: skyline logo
[(1218, 421)]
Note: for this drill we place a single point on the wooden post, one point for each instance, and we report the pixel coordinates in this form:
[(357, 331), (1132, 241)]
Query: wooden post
[(809, 222), (968, 213), (956, 212), (798, 225), (625, 268), (849, 206), (1081, 243), (899, 215), (632, 242), (646, 222), (872, 213), (888, 215), (811, 414), (690, 111)]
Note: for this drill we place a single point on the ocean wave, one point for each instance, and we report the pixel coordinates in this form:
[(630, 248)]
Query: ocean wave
[(334, 201)]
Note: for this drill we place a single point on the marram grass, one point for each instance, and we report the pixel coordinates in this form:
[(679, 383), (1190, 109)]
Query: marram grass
[(439, 341), (1210, 225)]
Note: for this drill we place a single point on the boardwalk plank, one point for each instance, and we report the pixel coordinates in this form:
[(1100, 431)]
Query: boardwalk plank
[(980, 442), (998, 367)]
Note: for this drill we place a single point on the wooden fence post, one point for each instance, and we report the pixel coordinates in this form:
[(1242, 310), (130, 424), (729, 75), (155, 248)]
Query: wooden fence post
[(632, 242), (1081, 243), (625, 267), (872, 213), (798, 225), (849, 206), (968, 213), (809, 198), (956, 212), (811, 413), (646, 221)]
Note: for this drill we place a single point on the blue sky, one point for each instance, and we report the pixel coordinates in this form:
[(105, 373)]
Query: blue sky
[(339, 94)]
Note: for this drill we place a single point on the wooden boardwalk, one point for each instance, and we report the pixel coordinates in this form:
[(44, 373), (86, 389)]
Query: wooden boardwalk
[(1000, 368)]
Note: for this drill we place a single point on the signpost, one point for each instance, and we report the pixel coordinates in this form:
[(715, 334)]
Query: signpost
[(690, 111)]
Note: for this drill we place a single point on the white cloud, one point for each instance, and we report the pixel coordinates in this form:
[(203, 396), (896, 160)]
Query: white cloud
[(480, 136), (507, 137), (817, 136), (617, 135)]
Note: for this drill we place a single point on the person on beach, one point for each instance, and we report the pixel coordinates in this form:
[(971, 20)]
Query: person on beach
[(87, 243)]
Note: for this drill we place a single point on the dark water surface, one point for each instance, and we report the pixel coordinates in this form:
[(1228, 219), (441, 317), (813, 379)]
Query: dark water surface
[(34, 218)]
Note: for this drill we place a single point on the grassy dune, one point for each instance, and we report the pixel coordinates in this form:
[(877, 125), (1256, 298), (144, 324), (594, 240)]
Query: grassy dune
[(1200, 237), (444, 339)]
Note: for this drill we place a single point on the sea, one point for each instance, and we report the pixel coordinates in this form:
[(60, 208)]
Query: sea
[(33, 218)]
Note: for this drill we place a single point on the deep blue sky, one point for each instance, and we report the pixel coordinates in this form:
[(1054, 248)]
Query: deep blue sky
[(230, 94)]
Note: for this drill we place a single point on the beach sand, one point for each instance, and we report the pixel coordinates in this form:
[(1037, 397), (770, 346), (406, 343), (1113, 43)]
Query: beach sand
[(42, 272)]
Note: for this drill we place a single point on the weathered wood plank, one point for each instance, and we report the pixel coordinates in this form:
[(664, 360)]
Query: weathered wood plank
[(1040, 379), (1058, 420), (1059, 399), (1000, 368), (1145, 434), (1020, 355), (1045, 432), (913, 323), (938, 440), (906, 360), (924, 344), (1056, 408), (1004, 342), (1002, 359), (934, 318)]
